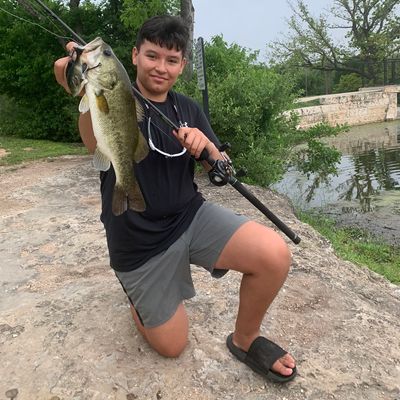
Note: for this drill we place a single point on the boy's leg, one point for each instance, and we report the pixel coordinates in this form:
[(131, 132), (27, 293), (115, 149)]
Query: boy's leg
[(156, 291), (264, 259), (252, 249), (170, 338)]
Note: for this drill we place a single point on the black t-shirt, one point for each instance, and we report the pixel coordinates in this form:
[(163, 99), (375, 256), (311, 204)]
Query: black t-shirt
[(167, 184)]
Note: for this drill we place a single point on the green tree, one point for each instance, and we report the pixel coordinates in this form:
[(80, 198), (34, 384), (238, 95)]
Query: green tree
[(248, 104), (348, 83), (371, 28), (33, 104), (135, 12)]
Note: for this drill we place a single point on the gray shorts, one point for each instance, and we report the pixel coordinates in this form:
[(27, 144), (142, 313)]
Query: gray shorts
[(157, 287)]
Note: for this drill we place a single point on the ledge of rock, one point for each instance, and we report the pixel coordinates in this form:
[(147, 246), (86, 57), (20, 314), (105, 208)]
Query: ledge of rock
[(66, 331)]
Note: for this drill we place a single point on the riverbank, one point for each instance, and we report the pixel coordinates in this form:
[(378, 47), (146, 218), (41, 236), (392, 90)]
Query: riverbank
[(365, 192), (66, 331), (359, 246)]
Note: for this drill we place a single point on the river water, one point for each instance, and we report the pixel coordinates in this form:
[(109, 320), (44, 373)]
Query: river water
[(366, 191)]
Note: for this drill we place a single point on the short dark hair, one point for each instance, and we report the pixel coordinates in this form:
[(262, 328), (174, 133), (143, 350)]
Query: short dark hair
[(166, 31)]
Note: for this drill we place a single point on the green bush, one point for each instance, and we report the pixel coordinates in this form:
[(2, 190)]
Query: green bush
[(348, 83), (247, 100), (248, 104), (33, 105)]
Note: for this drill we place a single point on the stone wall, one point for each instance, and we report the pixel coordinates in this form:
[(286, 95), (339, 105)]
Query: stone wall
[(355, 108)]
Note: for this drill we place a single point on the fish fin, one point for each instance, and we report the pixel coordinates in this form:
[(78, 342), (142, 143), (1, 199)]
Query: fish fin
[(142, 148), (135, 197), (119, 200), (139, 110), (102, 103), (84, 104), (100, 161)]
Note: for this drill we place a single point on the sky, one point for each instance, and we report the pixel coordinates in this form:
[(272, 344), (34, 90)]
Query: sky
[(251, 23)]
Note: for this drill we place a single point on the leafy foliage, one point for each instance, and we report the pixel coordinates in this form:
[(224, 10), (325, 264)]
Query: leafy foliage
[(370, 31), (34, 104), (248, 100), (317, 156), (248, 104), (348, 83), (135, 12)]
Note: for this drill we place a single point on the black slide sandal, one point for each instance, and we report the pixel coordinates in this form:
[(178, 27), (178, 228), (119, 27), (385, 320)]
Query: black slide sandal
[(261, 356)]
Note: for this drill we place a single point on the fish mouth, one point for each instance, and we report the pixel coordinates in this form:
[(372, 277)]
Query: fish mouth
[(76, 53), (83, 59), (79, 51), (86, 69), (91, 54)]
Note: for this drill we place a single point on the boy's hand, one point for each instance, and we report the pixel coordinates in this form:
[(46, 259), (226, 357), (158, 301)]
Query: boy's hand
[(60, 67), (194, 141)]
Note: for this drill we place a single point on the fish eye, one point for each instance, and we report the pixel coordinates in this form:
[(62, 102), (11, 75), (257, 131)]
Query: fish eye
[(107, 52)]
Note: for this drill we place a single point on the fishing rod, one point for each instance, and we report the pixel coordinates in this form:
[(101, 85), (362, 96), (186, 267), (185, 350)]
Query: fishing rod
[(60, 21), (221, 172)]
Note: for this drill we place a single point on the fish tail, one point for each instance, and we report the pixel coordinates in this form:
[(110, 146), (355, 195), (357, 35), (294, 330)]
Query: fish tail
[(135, 197), (119, 201)]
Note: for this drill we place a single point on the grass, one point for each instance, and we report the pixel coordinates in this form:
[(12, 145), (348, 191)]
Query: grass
[(22, 150), (358, 246)]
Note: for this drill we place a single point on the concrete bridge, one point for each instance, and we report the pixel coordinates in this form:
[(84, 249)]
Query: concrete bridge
[(368, 105)]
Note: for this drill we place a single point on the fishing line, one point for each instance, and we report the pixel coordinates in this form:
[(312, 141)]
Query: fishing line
[(37, 8), (220, 173), (60, 21), (34, 23)]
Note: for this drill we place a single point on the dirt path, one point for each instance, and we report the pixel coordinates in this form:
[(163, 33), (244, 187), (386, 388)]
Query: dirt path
[(66, 333)]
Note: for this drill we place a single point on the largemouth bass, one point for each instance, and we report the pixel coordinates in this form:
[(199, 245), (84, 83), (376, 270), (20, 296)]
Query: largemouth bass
[(115, 115)]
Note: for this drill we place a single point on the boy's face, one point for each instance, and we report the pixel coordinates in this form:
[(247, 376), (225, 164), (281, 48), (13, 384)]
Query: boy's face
[(157, 69)]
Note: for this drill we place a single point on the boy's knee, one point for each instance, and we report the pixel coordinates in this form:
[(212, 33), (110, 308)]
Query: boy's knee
[(170, 350), (279, 259), (285, 255), (170, 338)]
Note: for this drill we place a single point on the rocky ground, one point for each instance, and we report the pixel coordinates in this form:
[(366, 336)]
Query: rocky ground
[(66, 331)]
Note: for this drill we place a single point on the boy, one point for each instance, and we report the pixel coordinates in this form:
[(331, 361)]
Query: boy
[(151, 252)]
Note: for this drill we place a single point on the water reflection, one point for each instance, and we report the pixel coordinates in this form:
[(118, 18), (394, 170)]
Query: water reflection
[(374, 172), (369, 169)]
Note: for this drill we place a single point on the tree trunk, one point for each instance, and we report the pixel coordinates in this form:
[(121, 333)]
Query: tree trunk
[(73, 4), (29, 9), (74, 7), (187, 14)]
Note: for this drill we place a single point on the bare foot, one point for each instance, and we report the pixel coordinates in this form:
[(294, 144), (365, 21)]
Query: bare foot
[(284, 365)]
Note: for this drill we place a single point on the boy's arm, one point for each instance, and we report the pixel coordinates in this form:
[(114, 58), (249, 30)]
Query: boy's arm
[(86, 132)]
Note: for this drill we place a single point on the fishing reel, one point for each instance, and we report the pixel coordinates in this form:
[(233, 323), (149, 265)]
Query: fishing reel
[(221, 170)]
